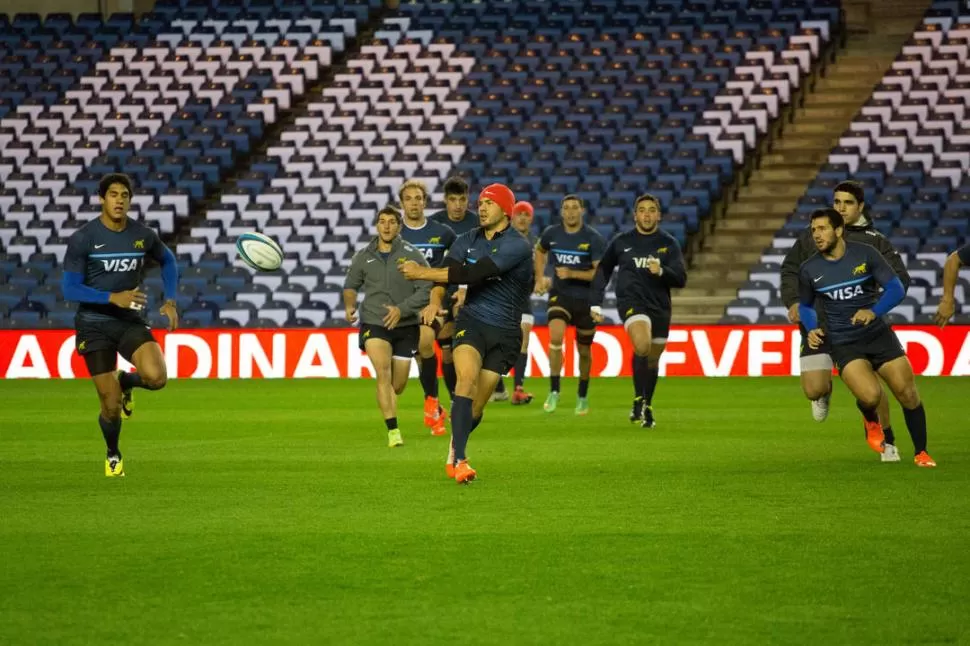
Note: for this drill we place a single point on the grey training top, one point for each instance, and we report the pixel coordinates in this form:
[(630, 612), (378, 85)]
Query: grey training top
[(379, 279)]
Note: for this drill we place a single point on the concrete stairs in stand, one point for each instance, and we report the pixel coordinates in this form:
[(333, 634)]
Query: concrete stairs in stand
[(737, 241)]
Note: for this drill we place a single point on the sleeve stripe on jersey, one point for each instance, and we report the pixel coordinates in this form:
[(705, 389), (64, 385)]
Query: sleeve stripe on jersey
[(845, 284), (116, 255)]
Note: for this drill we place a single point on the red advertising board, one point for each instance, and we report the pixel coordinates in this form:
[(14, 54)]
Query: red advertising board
[(710, 351)]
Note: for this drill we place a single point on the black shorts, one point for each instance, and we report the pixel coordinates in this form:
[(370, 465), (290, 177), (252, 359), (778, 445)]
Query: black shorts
[(878, 350), (659, 321), (806, 351), (498, 347), (403, 340), (574, 311), (95, 340)]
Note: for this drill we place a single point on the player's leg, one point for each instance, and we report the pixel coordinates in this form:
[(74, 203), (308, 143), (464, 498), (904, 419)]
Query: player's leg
[(445, 335), (101, 364), (861, 380), (883, 412), (639, 329), (428, 373), (138, 347), (380, 351), (898, 375), (815, 367), (657, 347), (520, 396), (558, 320), (584, 347), (468, 365)]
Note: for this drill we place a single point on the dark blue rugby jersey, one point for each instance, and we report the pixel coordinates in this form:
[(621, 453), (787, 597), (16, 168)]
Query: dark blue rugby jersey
[(111, 261), (466, 224), (500, 300), (628, 253), (577, 250), (433, 240), (846, 286)]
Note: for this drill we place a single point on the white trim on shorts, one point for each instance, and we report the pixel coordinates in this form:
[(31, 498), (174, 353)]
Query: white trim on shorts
[(816, 362), (528, 319), (643, 317), (397, 358)]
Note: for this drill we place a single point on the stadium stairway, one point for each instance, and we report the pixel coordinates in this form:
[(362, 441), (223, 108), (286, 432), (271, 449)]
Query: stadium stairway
[(737, 240)]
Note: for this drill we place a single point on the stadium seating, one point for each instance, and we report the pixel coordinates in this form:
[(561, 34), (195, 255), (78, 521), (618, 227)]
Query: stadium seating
[(604, 98), (550, 99), (910, 146), (171, 98)]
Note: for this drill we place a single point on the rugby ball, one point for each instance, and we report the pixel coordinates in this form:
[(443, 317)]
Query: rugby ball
[(259, 251)]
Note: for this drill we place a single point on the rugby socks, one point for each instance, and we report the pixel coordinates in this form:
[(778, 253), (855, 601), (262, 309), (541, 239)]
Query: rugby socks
[(554, 383), (475, 422), (916, 424), (639, 375), (890, 437), (870, 413), (111, 430), (429, 376), (500, 386), (461, 424), (583, 387), (391, 423), (451, 378), (520, 365), (650, 382)]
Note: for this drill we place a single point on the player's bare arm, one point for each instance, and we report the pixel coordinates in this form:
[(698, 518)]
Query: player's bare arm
[(951, 271)]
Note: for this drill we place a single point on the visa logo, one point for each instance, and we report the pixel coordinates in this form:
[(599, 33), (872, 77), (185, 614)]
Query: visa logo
[(568, 259), (845, 293), (122, 264)]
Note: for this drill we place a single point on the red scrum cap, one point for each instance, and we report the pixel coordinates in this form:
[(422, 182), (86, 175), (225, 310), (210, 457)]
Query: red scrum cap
[(501, 195), (523, 206)]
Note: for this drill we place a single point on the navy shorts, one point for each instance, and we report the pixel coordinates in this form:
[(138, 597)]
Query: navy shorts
[(95, 340), (498, 347), (574, 311), (403, 340), (878, 350), (659, 321)]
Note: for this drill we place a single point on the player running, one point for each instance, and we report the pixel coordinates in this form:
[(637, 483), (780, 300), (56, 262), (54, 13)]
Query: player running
[(816, 363), (522, 216), (951, 271), (103, 267), (459, 219), (390, 313), (649, 263), (844, 277), (496, 264), (433, 239), (576, 250)]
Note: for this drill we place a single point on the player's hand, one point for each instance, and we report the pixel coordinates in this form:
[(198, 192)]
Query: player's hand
[(130, 300), (459, 298), (816, 338), (793, 314), (564, 273), (653, 264), (169, 311), (411, 270), (429, 313), (543, 284), (351, 315), (597, 315), (393, 316), (863, 317), (944, 312)]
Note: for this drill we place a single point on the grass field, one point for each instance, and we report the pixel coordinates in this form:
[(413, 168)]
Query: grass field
[(272, 512)]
